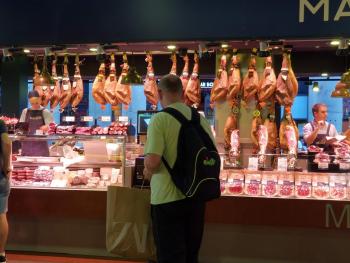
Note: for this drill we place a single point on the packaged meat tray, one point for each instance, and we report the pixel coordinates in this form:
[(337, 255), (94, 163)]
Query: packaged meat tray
[(235, 182), (285, 186), (252, 183)]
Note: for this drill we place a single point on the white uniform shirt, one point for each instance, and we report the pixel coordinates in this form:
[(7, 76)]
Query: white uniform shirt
[(307, 130)]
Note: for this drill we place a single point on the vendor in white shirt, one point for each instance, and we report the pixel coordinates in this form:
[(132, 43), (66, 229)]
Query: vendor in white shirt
[(316, 131)]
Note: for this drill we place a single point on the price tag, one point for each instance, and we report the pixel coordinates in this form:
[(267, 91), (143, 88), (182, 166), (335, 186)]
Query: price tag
[(282, 164), (65, 87), (344, 166), (105, 118), (253, 164), (87, 118), (69, 118), (74, 84), (123, 119), (322, 166)]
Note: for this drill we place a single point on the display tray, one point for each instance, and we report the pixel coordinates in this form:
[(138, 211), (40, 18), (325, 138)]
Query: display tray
[(332, 168)]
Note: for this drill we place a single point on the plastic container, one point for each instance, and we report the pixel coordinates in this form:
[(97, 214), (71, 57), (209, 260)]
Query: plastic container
[(252, 183), (235, 183), (320, 186), (337, 187), (303, 185), (223, 181), (285, 186), (269, 184)]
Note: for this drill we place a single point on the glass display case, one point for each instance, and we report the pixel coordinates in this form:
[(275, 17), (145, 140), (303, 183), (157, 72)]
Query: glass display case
[(75, 162)]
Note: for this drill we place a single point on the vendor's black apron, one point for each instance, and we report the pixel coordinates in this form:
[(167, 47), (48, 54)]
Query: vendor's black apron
[(320, 140), (35, 119)]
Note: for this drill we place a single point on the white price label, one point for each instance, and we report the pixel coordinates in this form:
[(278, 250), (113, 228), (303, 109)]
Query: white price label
[(74, 84), (69, 118), (65, 87), (344, 166), (105, 118), (253, 164), (123, 118), (87, 118), (282, 164), (322, 165)]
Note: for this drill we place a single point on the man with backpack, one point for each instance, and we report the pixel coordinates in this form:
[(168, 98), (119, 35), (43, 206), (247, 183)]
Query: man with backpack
[(179, 147)]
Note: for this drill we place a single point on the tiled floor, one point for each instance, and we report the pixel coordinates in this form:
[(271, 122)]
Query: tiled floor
[(26, 258)]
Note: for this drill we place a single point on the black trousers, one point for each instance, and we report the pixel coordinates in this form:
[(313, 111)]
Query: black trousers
[(178, 230)]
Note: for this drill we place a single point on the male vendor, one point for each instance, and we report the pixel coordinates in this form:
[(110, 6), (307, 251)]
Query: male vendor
[(316, 131)]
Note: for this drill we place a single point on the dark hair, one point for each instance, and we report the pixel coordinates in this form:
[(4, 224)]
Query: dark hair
[(33, 94), (316, 107), (171, 83)]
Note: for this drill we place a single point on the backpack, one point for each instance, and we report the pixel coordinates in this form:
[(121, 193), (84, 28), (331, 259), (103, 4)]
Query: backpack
[(197, 167)]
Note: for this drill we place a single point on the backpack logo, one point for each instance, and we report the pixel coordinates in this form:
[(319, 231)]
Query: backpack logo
[(210, 162)]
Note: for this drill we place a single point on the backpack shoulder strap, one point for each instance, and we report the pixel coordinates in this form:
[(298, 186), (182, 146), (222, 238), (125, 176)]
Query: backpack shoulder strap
[(176, 114), (195, 116)]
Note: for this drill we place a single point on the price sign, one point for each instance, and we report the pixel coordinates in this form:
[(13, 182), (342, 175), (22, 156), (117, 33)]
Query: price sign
[(123, 119), (322, 166), (105, 118), (282, 164), (344, 166), (87, 118), (69, 118), (253, 164)]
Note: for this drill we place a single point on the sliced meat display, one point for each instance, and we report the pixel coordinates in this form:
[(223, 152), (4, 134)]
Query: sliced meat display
[(65, 129), (185, 75), (234, 81), (150, 86), (123, 91), (100, 130), (83, 130), (267, 88), (173, 66), (250, 81), (66, 88), (287, 84), (111, 84), (54, 89), (45, 86), (193, 89), (98, 92), (219, 89), (77, 87)]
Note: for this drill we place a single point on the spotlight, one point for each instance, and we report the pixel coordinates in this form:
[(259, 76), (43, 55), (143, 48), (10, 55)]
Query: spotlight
[(325, 74), (26, 50), (171, 47), (335, 43), (315, 87), (93, 49), (224, 45)]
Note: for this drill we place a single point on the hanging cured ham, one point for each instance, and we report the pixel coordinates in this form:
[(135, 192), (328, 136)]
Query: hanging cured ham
[(234, 81), (287, 84), (234, 88), (173, 66), (235, 145), (98, 87), (78, 86), (219, 89), (55, 88), (66, 88), (123, 91), (111, 85), (45, 84), (250, 81), (266, 92), (288, 134), (36, 77), (185, 75), (150, 86), (271, 126), (254, 133), (193, 89)]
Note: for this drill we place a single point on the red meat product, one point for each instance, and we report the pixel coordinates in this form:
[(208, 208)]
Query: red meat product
[(98, 92), (66, 89), (150, 86), (78, 86), (250, 81), (185, 76), (123, 91), (193, 89), (173, 66), (54, 89), (219, 90), (111, 84)]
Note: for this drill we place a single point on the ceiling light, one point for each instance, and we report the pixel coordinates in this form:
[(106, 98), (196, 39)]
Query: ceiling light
[(324, 74), (276, 47), (224, 45), (315, 87), (171, 47), (93, 49), (317, 46), (335, 43), (26, 50)]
